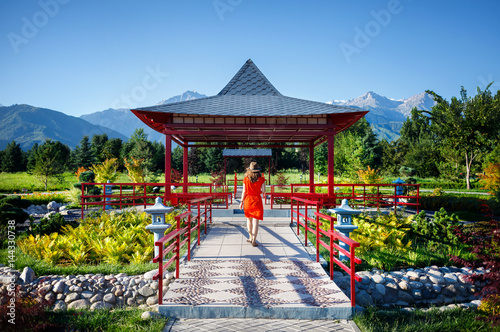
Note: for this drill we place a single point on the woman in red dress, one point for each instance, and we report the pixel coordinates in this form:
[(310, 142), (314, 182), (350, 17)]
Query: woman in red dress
[(253, 192)]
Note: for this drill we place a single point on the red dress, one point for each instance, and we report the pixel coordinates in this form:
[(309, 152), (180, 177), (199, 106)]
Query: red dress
[(253, 200)]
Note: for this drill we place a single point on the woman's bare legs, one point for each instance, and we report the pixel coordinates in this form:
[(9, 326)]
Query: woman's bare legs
[(255, 230), (250, 229)]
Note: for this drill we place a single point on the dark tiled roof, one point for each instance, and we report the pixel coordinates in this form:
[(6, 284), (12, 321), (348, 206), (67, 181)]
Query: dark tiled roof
[(249, 81), (249, 93), (253, 105), (247, 153)]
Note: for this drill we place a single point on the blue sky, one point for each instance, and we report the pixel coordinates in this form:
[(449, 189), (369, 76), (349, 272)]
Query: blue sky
[(80, 57)]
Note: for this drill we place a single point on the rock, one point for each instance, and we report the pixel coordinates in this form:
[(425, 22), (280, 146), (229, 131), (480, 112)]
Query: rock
[(96, 298), (149, 275), (50, 296), (405, 297), (404, 286), (343, 283), (435, 279), (154, 285), (75, 288), (364, 299), (450, 278), (28, 275), (59, 287), (412, 275), (53, 206), (87, 295), (378, 279), (391, 293), (147, 315), (110, 298), (146, 291), (365, 280), (72, 297), (450, 291), (380, 288), (8, 279), (79, 304), (152, 300), (44, 290), (417, 294), (416, 284), (60, 305), (131, 301), (101, 305)]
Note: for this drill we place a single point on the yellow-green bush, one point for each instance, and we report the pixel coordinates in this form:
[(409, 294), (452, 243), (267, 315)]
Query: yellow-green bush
[(111, 238)]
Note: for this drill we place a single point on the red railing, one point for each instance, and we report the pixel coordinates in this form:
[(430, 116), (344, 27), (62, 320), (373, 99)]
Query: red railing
[(332, 247), (176, 243), (142, 194), (365, 195)]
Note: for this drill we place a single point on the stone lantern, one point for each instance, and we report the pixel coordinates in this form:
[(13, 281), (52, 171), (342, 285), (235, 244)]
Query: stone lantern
[(158, 226), (344, 223), (108, 191), (399, 189)]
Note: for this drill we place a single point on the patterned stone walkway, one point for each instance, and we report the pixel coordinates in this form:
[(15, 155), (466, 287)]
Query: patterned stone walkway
[(227, 277), (261, 325)]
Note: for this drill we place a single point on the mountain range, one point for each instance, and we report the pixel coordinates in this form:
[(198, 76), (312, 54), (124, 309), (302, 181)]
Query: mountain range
[(386, 115), (28, 124)]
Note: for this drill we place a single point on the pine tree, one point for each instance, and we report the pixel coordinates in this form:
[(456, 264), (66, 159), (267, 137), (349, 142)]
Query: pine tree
[(13, 159)]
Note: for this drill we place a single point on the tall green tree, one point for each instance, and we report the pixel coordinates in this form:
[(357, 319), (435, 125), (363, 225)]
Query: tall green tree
[(50, 161), (419, 145), (82, 155), (177, 155), (112, 148), (97, 144), (214, 161), (195, 164), (467, 124), (13, 159)]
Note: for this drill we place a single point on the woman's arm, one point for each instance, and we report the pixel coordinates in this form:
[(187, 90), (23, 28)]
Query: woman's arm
[(263, 190), (242, 197)]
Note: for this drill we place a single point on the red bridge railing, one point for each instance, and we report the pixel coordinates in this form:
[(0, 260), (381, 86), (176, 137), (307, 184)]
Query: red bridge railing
[(333, 238), (360, 195), (144, 194), (178, 237)]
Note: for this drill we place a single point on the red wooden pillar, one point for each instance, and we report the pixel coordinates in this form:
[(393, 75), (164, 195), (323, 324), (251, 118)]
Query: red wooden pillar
[(185, 169), (168, 165), (331, 162), (225, 167), (311, 167), (269, 169)]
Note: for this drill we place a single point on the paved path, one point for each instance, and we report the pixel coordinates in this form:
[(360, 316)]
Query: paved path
[(261, 325)]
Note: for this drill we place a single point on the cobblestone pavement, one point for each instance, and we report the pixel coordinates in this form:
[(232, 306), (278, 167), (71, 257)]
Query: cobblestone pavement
[(259, 324)]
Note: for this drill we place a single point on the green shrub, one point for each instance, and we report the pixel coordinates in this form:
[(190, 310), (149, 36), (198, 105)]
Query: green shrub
[(54, 223), (455, 203), (44, 199), (113, 238), (442, 228), (449, 185)]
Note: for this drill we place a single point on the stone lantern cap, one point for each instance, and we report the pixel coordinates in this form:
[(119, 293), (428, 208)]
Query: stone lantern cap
[(398, 181), (344, 209), (158, 208)]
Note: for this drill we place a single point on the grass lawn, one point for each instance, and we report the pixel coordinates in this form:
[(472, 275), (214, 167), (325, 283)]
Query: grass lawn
[(15, 182), (86, 320), (375, 320)]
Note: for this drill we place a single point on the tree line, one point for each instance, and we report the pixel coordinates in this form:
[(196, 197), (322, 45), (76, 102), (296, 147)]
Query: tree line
[(454, 141)]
